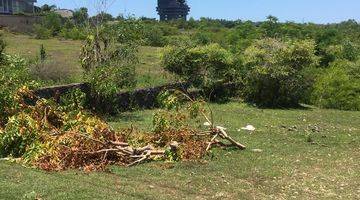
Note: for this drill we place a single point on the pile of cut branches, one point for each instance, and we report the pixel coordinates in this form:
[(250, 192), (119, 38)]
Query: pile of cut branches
[(53, 137)]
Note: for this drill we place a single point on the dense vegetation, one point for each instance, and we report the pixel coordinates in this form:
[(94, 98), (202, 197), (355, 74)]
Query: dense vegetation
[(14, 74), (275, 64)]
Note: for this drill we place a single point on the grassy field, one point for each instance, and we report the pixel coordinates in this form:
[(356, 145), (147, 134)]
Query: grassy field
[(63, 56), (305, 153), (149, 71), (293, 154)]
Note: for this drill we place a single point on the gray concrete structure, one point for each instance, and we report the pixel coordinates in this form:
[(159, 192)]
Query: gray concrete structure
[(172, 9), (16, 6)]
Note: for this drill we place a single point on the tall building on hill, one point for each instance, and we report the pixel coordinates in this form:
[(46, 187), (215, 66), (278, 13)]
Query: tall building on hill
[(172, 9), (16, 6)]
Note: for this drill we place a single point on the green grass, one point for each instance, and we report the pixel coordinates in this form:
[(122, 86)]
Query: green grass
[(149, 71), (306, 154), (63, 56)]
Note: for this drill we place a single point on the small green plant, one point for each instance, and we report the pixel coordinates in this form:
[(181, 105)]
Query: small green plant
[(178, 40), (2, 48), (31, 196), (73, 33), (41, 32), (73, 100), (43, 54)]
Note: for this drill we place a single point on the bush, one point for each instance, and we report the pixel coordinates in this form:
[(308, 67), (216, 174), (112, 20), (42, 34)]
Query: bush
[(73, 33), (153, 36), (13, 75), (2, 49), (202, 38), (50, 26), (339, 87), (178, 40), (41, 32), (202, 66), (129, 31), (53, 22), (108, 70), (272, 71), (345, 51)]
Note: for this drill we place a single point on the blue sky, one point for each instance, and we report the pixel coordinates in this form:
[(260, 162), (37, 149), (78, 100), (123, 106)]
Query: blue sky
[(318, 11)]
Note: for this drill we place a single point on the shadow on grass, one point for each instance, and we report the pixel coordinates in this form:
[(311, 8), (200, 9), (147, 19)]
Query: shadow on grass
[(289, 108), (127, 117)]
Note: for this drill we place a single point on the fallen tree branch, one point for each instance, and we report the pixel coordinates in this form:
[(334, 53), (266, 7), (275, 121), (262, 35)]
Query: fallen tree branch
[(220, 132)]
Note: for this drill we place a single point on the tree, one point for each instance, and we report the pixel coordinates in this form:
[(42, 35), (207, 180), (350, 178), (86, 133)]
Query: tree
[(339, 86), (101, 18), (53, 22), (81, 16), (202, 66), (47, 8), (271, 26), (273, 71)]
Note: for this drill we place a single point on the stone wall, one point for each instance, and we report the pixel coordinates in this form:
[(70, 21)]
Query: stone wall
[(19, 23), (140, 98), (130, 100), (145, 98), (54, 91)]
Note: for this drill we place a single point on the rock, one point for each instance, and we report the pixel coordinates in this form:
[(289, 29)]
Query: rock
[(248, 128), (174, 146), (207, 124), (257, 150), (293, 128)]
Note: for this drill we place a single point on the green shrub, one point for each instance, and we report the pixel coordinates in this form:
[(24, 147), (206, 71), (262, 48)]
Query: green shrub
[(13, 75), (345, 51), (42, 32), (73, 33), (2, 49), (169, 30), (203, 66), (53, 22), (50, 26), (129, 31), (108, 70), (243, 35), (339, 87), (310, 75), (153, 36), (178, 40), (73, 100), (108, 80), (202, 38), (272, 71), (20, 136)]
